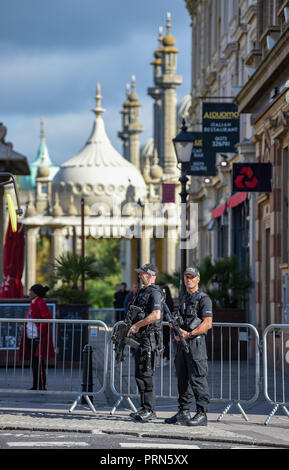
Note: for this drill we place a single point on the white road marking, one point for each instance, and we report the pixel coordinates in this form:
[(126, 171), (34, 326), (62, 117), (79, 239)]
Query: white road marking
[(47, 444), (153, 445)]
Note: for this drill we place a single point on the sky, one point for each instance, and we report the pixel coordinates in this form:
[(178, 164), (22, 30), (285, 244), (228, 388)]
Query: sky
[(54, 52)]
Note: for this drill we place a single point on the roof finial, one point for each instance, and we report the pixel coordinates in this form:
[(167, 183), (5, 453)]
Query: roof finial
[(169, 24), (160, 34), (133, 83), (98, 110), (42, 131)]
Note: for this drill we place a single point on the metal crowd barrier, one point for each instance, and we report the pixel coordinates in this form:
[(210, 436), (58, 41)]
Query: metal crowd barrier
[(106, 314), (276, 367), (63, 372), (234, 369)]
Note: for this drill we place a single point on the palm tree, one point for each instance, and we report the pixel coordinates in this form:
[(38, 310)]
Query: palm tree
[(69, 269)]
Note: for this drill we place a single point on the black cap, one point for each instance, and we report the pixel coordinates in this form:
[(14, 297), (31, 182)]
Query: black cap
[(148, 268), (193, 271)]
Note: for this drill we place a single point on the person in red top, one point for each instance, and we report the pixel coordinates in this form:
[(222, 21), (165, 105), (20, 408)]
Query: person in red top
[(36, 343)]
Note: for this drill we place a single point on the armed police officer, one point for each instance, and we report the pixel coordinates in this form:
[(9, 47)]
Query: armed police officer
[(146, 329), (192, 367)]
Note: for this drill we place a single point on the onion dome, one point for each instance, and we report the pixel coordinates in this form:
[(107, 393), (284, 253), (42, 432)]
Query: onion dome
[(158, 53), (169, 41), (27, 183), (98, 173)]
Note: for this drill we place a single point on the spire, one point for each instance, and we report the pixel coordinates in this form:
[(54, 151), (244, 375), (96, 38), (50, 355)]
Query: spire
[(169, 40), (42, 130), (169, 24), (160, 35), (133, 95), (98, 110)]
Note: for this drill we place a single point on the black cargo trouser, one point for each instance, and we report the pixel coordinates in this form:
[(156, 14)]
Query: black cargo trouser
[(191, 371), (144, 374)]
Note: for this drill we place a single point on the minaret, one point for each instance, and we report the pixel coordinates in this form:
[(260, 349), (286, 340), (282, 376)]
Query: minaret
[(168, 81), (123, 134), (155, 93), (131, 126), (43, 179)]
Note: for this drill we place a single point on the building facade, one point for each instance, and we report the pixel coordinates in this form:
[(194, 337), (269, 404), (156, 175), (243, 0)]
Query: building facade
[(266, 97), (240, 55)]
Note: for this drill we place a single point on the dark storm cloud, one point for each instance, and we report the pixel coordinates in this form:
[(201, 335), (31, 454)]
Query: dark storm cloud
[(54, 52)]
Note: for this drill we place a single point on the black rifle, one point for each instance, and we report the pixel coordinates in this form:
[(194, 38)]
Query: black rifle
[(176, 327), (119, 333)]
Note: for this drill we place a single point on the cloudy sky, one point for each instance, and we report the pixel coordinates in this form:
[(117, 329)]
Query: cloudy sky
[(54, 52)]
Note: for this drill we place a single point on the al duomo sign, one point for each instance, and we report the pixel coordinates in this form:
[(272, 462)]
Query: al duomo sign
[(220, 133), (221, 115)]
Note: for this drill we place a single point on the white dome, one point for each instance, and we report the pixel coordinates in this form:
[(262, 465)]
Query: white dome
[(98, 173), (147, 149), (183, 109)]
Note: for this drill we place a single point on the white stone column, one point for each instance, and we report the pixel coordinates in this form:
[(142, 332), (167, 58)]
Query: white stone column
[(31, 235), (169, 130), (57, 247), (171, 252), (145, 248)]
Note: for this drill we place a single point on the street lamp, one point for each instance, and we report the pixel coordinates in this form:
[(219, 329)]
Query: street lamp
[(183, 144)]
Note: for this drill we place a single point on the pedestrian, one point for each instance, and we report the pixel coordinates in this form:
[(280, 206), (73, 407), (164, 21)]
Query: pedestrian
[(36, 343), (166, 328), (118, 302), (129, 297), (146, 329), (192, 367)]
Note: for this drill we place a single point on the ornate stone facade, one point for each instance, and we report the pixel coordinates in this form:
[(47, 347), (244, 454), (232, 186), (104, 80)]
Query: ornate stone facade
[(119, 192)]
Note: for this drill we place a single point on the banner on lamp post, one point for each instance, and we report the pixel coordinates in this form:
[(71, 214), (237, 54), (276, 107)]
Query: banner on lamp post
[(202, 163)]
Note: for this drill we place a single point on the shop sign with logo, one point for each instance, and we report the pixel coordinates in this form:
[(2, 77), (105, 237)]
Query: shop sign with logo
[(252, 177)]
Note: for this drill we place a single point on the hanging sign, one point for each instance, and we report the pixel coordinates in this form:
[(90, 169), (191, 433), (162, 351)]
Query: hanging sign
[(201, 164), (252, 177), (221, 127)]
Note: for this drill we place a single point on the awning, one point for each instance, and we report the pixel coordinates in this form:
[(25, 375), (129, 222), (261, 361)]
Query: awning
[(237, 199), (218, 211)]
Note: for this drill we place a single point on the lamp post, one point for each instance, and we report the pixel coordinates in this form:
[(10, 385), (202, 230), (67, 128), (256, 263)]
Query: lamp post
[(183, 144)]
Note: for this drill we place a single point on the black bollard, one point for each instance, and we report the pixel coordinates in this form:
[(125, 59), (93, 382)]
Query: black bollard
[(87, 384)]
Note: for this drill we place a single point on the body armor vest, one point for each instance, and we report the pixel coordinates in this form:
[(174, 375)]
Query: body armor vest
[(189, 308), (142, 300)]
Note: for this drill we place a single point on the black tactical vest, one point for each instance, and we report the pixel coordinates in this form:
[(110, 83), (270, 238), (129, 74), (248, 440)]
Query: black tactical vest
[(189, 308), (142, 300)]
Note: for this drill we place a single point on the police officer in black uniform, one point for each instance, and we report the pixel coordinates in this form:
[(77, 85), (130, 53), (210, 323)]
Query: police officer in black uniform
[(192, 367), (146, 329)]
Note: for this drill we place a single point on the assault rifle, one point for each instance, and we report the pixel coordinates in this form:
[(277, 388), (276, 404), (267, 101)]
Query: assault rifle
[(176, 321), (119, 334)]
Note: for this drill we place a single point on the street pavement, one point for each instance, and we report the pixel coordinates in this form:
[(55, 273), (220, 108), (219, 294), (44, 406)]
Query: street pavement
[(42, 412)]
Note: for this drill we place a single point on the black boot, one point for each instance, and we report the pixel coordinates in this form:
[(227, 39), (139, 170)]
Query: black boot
[(200, 419), (182, 417), (145, 415), (134, 413)]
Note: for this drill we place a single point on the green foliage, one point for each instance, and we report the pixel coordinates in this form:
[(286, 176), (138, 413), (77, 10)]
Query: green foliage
[(226, 284), (169, 279), (101, 269)]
